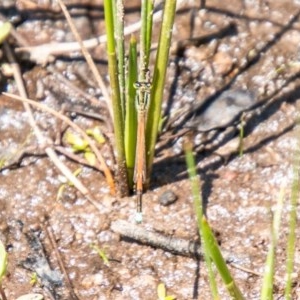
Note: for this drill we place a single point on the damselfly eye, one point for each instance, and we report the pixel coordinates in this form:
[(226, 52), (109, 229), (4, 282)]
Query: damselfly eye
[(137, 85)]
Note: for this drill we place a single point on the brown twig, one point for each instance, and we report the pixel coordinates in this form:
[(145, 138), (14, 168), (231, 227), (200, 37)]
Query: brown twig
[(2, 293), (50, 234), (169, 243)]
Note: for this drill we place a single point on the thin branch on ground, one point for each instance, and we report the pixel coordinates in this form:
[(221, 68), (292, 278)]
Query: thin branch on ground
[(168, 243), (2, 293)]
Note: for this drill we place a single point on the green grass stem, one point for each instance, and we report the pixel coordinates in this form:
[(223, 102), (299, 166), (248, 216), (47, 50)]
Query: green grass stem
[(3, 268), (291, 243), (197, 200), (216, 256), (118, 9), (268, 280), (145, 37), (115, 97), (131, 114), (154, 113), (211, 250)]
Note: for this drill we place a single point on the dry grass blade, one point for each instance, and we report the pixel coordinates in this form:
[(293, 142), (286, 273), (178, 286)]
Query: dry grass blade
[(41, 54), (91, 143), (87, 57), (49, 151), (49, 231)]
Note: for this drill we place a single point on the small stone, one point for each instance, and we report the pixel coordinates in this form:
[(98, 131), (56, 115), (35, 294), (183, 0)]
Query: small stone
[(167, 198), (222, 63)]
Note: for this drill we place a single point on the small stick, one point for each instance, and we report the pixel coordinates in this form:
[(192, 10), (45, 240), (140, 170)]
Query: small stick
[(169, 243), (2, 293), (49, 231)]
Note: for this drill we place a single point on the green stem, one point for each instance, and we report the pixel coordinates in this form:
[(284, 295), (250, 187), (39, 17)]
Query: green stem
[(216, 256), (197, 199), (131, 115), (291, 243), (268, 279), (145, 38), (119, 35), (154, 113), (115, 96)]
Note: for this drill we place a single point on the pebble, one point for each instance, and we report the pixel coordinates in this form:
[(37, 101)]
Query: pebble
[(167, 198), (222, 63)]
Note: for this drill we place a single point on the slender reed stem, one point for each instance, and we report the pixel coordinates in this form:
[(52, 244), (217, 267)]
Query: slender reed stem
[(154, 114), (115, 97)]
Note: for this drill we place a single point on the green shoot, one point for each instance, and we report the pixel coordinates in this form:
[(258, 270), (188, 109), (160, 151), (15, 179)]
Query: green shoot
[(190, 161), (145, 37), (291, 243), (241, 136), (162, 293), (33, 278), (3, 268), (211, 249), (267, 286), (96, 134), (118, 12), (77, 143), (101, 254), (3, 261)]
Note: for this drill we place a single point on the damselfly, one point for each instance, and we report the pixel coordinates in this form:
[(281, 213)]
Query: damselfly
[(143, 89)]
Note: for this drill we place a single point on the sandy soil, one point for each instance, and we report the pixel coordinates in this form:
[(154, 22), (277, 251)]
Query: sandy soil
[(248, 46)]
